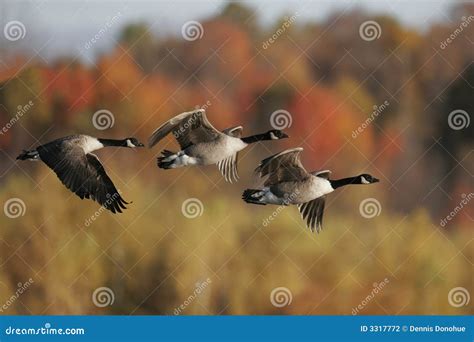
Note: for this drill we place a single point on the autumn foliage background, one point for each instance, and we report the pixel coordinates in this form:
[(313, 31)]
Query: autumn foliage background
[(329, 80)]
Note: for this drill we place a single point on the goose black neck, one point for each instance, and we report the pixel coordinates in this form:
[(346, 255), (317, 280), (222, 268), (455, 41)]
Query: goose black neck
[(254, 138), (113, 142), (337, 183)]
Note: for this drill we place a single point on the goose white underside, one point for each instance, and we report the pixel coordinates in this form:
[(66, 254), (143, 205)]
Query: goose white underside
[(267, 197), (180, 159), (207, 153), (294, 193)]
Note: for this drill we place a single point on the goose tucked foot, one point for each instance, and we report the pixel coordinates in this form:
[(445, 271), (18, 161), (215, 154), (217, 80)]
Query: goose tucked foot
[(262, 196), (253, 196), (165, 161), (172, 160)]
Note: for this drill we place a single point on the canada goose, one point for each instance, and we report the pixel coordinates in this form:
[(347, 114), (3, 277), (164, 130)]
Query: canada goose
[(81, 171), (202, 144), (289, 183)]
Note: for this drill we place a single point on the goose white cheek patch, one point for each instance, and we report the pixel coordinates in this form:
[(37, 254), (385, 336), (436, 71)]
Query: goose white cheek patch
[(364, 181), (273, 136), (129, 144)]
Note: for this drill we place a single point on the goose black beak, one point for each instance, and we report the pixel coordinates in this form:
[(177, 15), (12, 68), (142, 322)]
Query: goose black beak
[(375, 180), (284, 135), (140, 145)]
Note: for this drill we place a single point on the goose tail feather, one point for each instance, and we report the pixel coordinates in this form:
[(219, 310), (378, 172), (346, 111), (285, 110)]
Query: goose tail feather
[(251, 196), (164, 161)]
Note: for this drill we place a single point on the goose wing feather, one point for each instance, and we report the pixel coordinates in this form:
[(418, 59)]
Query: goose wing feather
[(283, 167), (322, 174), (312, 212), (228, 168), (188, 128), (82, 173), (235, 132)]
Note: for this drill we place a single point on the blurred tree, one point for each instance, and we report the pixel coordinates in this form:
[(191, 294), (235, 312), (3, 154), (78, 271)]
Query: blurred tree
[(241, 15), (140, 41), (69, 88), (329, 79), (455, 144), (458, 97), (18, 92)]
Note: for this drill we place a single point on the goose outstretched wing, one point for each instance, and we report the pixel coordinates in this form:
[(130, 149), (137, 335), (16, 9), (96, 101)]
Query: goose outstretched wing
[(228, 168), (188, 128), (82, 173), (283, 167), (312, 212)]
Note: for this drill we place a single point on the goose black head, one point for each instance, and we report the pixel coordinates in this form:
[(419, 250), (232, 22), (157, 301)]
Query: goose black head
[(133, 142), (276, 134), (367, 179)]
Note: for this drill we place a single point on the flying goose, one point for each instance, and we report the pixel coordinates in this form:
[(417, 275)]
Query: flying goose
[(289, 183), (202, 144), (81, 171)]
